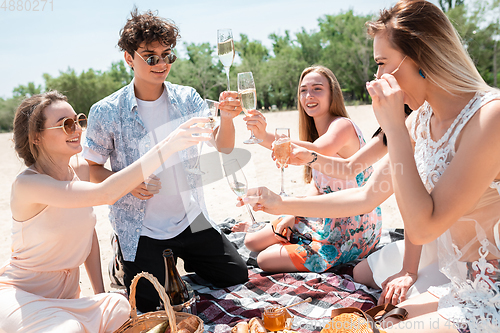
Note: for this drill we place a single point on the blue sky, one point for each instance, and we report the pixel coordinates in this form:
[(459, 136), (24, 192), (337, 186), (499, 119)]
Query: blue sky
[(83, 34)]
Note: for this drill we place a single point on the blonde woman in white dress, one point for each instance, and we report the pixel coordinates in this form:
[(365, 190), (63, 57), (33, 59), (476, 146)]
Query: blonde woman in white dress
[(443, 165)]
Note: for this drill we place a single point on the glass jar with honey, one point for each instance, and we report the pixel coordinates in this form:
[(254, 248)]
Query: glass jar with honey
[(274, 317)]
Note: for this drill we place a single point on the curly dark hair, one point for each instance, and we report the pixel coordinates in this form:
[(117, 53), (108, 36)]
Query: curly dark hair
[(149, 28)]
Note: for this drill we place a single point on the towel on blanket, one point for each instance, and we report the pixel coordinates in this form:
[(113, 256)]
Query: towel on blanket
[(220, 309)]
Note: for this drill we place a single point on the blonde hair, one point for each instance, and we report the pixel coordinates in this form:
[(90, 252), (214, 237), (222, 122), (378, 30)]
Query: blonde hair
[(307, 127), (420, 30)]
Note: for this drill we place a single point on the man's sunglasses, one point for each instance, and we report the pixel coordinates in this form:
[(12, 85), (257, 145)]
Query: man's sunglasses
[(295, 237), (154, 59), (69, 124)]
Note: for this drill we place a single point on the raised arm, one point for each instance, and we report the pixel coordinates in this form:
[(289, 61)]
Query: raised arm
[(229, 107), (337, 167), (39, 189), (475, 165), (348, 202)]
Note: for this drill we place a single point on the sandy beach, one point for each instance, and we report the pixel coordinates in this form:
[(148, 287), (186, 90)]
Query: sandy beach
[(221, 201)]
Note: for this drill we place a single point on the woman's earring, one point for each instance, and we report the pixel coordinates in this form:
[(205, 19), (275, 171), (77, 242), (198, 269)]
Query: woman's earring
[(421, 73)]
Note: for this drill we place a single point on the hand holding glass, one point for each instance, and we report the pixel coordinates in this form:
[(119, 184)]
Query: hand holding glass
[(225, 50), (238, 183), (213, 107), (248, 98), (282, 148)]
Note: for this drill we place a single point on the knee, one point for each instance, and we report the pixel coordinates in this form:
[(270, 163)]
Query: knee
[(266, 263), (363, 274), (251, 242)]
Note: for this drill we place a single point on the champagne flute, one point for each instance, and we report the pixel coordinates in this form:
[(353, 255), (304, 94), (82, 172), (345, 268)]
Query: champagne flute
[(211, 109), (238, 183), (248, 98), (225, 50), (282, 148)]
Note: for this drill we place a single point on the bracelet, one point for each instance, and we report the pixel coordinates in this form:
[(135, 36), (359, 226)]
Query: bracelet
[(315, 157)]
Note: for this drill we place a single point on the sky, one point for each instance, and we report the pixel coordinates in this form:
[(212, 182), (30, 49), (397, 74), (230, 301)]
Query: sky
[(83, 34)]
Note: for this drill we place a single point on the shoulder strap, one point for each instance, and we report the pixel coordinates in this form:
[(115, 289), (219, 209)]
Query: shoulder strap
[(379, 313), (477, 102)]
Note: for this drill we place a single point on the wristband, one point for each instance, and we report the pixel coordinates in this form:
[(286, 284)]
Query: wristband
[(315, 157)]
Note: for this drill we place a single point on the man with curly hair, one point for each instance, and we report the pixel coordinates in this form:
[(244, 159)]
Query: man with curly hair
[(168, 210)]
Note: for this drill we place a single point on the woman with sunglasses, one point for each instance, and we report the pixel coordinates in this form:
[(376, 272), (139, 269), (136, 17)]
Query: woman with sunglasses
[(53, 229), (443, 165), (313, 244)]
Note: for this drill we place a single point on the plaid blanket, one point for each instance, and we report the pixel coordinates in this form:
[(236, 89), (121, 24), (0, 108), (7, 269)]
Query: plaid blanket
[(221, 309)]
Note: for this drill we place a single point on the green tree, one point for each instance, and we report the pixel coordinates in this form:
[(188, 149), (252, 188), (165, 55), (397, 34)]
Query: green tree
[(7, 110), (25, 91), (311, 48), (348, 52), (254, 58), (284, 71), (90, 86), (478, 26), (449, 4), (199, 71)]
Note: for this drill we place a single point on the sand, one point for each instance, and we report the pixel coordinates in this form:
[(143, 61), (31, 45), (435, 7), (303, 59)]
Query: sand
[(221, 201)]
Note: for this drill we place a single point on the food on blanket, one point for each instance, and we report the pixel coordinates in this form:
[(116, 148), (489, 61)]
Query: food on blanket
[(256, 325), (190, 325), (160, 328), (241, 327), (274, 318)]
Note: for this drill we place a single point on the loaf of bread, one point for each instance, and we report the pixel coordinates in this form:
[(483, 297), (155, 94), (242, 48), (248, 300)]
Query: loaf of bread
[(241, 327), (256, 325)]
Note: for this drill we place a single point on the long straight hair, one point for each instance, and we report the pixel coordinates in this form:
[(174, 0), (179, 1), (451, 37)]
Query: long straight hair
[(307, 127), (420, 30)]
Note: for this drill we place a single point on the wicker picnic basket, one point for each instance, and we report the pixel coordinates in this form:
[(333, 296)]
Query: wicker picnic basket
[(141, 323)]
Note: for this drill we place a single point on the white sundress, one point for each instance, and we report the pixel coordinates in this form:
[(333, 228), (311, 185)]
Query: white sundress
[(468, 251)]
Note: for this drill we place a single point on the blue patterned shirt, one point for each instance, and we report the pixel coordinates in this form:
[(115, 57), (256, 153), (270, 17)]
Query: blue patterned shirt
[(115, 130)]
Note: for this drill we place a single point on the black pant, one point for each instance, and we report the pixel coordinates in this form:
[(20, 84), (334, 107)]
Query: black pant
[(207, 253)]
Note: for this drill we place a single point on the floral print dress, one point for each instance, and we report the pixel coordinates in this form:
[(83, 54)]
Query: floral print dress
[(336, 240)]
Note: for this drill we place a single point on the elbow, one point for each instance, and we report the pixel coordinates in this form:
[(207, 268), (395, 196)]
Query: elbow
[(417, 239), (111, 201), (352, 170), (108, 197), (419, 234), (227, 150)]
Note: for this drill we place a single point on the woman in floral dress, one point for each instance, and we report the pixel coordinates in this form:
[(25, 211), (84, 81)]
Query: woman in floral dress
[(325, 129)]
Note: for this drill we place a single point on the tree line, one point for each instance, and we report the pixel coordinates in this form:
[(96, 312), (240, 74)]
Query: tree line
[(340, 43)]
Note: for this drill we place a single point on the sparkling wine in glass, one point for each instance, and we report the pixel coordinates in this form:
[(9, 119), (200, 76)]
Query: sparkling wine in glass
[(238, 183), (282, 148), (225, 50), (248, 98), (211, 110)]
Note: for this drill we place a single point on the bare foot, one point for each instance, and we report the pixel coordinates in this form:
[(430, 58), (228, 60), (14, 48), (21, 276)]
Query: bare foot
[(241, 227)]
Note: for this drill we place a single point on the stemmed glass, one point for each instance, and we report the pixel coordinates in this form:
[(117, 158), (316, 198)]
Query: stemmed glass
[(225, 50), (213, 107), (248, 98), (282, 148), (238, 183)]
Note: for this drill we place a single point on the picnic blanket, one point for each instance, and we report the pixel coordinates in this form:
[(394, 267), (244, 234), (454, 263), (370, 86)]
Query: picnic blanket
[(221, 309)]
